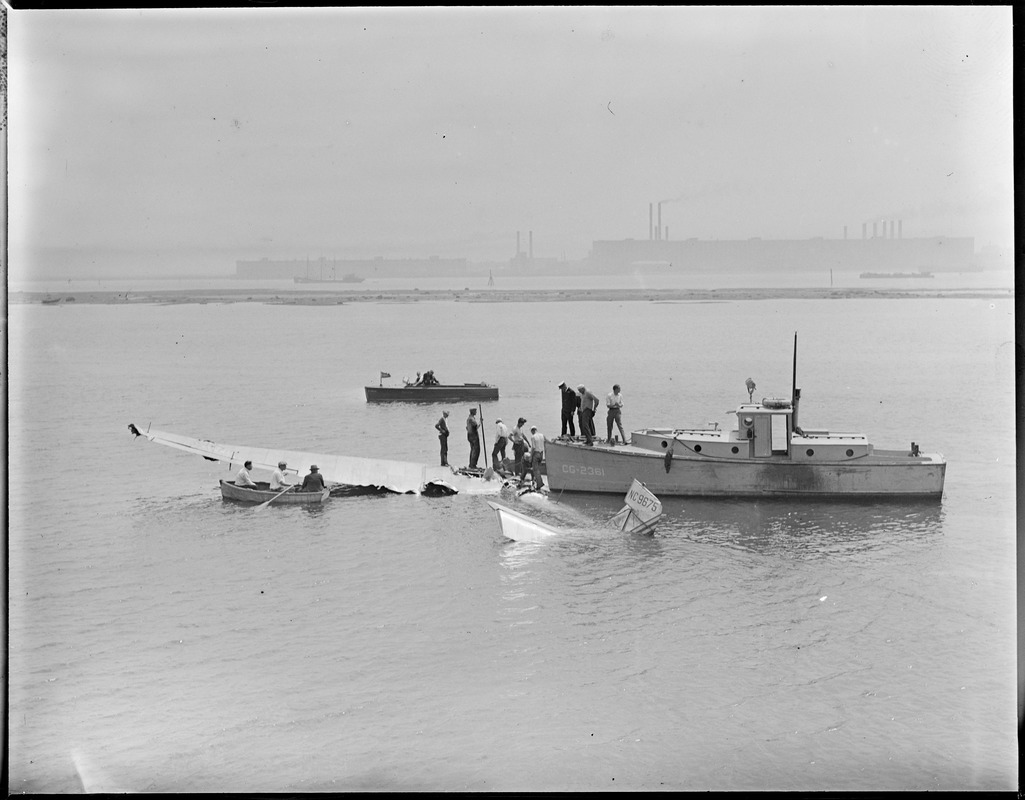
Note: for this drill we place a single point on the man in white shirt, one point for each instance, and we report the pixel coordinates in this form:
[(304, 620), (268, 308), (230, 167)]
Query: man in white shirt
[(614, 400), (277, 480), (537, 452), (501, 439), (243, 479)]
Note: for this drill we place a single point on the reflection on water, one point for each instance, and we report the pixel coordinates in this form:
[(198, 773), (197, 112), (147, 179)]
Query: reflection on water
[(802, 529)]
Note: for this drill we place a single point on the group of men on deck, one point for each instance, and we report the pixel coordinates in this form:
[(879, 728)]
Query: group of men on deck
[(528, 448), (313, 482), (584, 404)]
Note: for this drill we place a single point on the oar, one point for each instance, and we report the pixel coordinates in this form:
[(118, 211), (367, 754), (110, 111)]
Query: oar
[(275, 497)]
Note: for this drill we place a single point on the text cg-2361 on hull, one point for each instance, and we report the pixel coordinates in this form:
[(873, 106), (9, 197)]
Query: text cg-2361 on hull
[(767, 455)]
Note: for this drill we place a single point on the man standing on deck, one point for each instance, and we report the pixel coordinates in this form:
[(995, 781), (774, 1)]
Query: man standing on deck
[(277, 480), (614, 400), (588, 405), (519, 443), (570, 404), (442, 427), (501, 439), (537, 454), (473, 437), (243, 479)]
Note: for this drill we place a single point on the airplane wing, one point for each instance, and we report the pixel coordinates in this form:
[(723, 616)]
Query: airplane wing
[(396, 476)]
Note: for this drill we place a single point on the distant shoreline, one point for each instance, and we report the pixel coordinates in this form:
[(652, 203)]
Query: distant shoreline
[(331, 297)]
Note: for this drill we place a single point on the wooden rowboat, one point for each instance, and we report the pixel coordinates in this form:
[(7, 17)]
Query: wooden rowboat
[(229, 491)]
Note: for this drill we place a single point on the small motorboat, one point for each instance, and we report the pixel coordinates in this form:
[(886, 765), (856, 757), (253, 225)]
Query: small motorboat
[(427, 389)]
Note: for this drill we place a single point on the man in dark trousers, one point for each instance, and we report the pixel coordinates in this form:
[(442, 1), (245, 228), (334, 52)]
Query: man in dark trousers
[(588, 405), (570, 404), (473, 437), (442, 427)]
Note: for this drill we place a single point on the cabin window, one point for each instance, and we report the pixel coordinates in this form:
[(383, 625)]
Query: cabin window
[(697, 448), (665, 444), (779, 433), (810, 452), (734, 449), (849, 452)]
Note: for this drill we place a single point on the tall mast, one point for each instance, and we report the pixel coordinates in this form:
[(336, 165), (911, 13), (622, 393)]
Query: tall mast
[(793, 385), (795, 393)]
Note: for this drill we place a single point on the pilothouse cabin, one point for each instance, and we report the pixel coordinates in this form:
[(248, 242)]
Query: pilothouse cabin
[(764, 430), (766, 427)]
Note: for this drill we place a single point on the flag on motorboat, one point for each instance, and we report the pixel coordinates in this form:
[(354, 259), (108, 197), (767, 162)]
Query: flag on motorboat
[(385, 374)]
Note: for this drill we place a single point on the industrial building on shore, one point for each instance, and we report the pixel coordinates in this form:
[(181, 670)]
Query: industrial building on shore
[(881, 247)]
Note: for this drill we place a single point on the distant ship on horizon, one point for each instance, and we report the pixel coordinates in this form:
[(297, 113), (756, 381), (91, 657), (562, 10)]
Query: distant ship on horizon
[(920, 274), (349, 278)]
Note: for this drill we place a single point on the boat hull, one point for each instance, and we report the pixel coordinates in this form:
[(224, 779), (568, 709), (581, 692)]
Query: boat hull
[(229, 491), (432, 394), (574, 467)]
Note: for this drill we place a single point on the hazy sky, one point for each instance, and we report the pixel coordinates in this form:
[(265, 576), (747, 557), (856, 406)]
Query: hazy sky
[(418, 131)]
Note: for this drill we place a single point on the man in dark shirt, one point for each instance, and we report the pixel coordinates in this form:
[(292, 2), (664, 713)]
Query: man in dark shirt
[(442, 427), (570, 404), (314, 482), (473, 437)]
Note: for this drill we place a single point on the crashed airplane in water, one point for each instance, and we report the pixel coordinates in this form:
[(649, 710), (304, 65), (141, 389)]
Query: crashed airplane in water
[(640, 515), (403, 477)]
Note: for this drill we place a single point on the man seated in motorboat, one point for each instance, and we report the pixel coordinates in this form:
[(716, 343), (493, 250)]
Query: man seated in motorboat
[(429, 379)]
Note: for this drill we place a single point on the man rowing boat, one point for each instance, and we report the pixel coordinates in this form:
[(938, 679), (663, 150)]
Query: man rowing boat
[(277, 480)]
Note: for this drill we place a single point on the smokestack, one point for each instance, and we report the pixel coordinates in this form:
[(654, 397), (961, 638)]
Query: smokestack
[(530, 243), (845, 232), (517, 242), (659, 221), (651, 212), (891, 228), (900, 229), (874, 230)]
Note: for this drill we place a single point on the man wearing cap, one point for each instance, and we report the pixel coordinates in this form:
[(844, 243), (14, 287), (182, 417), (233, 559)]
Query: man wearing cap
[(277, 480), (501, 439), (473, 437), (314, 482), (570, 404), (588, 405), (519, 443)]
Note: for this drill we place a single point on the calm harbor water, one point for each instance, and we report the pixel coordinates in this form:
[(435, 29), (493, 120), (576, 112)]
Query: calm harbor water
[(164, 640)]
